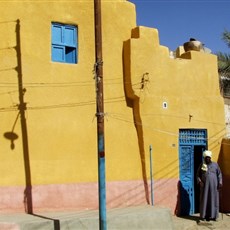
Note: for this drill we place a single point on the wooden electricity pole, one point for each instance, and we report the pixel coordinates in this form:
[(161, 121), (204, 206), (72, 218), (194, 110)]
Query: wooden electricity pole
[(100, 114)]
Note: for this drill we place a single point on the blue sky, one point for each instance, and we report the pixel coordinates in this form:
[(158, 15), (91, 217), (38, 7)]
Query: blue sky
[(178, 21)]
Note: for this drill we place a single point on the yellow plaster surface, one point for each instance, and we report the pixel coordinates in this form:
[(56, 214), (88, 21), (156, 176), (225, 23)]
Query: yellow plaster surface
[(138, 77)]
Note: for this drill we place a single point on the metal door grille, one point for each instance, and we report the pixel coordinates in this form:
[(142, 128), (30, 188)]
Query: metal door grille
[(194, 137)]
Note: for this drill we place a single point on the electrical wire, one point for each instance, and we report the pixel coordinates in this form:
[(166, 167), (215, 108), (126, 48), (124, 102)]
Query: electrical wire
[(119, 117)]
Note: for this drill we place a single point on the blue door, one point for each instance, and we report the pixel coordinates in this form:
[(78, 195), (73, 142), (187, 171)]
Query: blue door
[(186, 179), (192, 142)]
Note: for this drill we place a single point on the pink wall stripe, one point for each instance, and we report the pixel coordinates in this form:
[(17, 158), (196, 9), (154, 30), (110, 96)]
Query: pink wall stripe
[(83, 196)]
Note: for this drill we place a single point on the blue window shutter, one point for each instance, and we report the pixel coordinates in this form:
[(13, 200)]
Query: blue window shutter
[(70, 36), (58, 53), (57, 34)]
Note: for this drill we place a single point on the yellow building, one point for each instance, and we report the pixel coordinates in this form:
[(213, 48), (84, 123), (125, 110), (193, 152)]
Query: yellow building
[(48, 151)]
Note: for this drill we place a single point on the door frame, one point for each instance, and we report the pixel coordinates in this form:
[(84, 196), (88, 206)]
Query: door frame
[(192, 142)]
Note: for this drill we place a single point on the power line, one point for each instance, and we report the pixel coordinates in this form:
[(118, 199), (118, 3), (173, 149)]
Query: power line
[(119, 117)]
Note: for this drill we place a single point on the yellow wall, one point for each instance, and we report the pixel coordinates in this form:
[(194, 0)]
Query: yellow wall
[(62, 136), (60, 115), (224, 161), (189, 85)]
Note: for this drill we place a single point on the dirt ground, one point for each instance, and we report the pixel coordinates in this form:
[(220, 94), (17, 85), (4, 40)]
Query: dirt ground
[(193, 223)]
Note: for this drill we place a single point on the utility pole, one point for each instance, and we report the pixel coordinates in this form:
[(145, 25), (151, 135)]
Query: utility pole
[(100, 115)]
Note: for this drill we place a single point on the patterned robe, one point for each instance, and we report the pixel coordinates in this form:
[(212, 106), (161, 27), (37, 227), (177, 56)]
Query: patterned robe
[(209, 193)]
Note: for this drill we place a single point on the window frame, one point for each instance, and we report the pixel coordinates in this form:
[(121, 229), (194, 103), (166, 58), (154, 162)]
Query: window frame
[(64, 43)]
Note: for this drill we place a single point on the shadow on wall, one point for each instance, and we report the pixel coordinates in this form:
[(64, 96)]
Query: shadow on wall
[(133, 102), (224, 163), (21, 106), (12, 136), (28, 202)]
